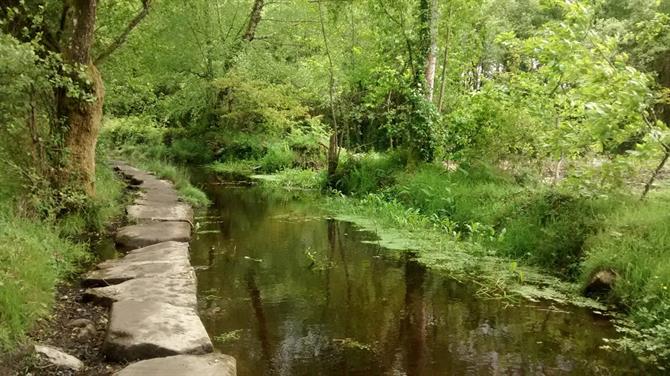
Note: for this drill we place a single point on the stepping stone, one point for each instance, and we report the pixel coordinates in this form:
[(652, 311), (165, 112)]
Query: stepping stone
[(166, 251), (153, 183), (157, 195), (142, 235), (176, 291), (183, 365), (124, 271), (160, 211), (150, 329)]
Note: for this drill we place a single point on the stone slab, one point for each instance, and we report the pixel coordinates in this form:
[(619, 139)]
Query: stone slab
[(145, 234), (183, 365), (157, 195), (124, 271), (145, 330), (176, 291), (165, 251), (160, 211)]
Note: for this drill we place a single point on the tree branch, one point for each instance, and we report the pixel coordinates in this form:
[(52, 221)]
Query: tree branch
[(121, 39)]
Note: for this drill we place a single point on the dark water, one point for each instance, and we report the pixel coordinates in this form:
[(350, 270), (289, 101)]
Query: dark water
[(294, 294)]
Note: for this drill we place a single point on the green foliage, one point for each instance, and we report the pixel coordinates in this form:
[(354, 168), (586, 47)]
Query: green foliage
[(278, 157), (366, 173), (549, 228)]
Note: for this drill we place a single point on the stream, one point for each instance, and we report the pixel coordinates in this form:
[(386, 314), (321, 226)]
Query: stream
[(288, 292)]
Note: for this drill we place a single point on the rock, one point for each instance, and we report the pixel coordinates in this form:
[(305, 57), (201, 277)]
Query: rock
[(160, 211), (176, 291), (142, 235), (80, 323), (183, 365), (59, 358), (144, 330), (601, 283), (165, 251), (86, 333), (125, 270)]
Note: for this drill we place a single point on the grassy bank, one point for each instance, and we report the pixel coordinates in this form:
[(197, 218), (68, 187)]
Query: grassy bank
[(42, 246)]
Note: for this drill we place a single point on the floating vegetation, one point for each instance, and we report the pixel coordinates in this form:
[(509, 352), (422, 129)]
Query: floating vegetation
[(352, 344), (231, 336)]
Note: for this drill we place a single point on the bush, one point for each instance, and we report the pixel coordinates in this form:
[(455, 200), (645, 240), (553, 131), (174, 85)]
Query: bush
[(550, 229), (278, 157), (367, 173)]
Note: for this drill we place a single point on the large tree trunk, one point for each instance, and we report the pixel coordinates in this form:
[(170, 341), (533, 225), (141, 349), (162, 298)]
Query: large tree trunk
[(81, 138), (82, 118)]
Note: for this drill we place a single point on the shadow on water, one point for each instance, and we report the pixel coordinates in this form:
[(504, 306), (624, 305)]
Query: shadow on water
[(304, 296)]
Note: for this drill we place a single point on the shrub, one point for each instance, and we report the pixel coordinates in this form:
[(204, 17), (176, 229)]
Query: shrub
[(367, 173), (278, 157)]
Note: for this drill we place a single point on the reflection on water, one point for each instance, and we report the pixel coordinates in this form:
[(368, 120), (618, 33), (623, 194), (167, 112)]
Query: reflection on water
[(304, 296)]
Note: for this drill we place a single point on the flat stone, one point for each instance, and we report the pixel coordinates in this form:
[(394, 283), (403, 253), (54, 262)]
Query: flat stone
[(124, 270), (167, 195), (153, 183), (145, 234), (176, 291), (165, 251), (59, 358), (183, 365), (150, 329), (160, 211)]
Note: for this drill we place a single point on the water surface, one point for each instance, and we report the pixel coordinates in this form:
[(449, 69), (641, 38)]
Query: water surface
[(288, 292)]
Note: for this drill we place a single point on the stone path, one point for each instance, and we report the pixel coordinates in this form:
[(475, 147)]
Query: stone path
[(152, 290)]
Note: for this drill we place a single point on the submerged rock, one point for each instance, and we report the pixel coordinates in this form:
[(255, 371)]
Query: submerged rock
[(59, 358), (183, 365), (145, 330), (142, 235)]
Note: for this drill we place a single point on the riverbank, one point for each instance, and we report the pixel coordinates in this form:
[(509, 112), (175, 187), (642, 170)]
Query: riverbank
[(44, 247), (515, 238)]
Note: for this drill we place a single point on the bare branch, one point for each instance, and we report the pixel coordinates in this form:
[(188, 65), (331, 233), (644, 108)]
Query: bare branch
[(121, 39)]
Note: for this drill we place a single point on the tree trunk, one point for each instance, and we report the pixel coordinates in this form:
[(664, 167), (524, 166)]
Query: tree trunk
[(254, 20), (82, 118), (333, 145), (445, 63), (81, 138), (431, 59)]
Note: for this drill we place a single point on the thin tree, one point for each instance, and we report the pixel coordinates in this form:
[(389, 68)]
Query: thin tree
[(333, 145)]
